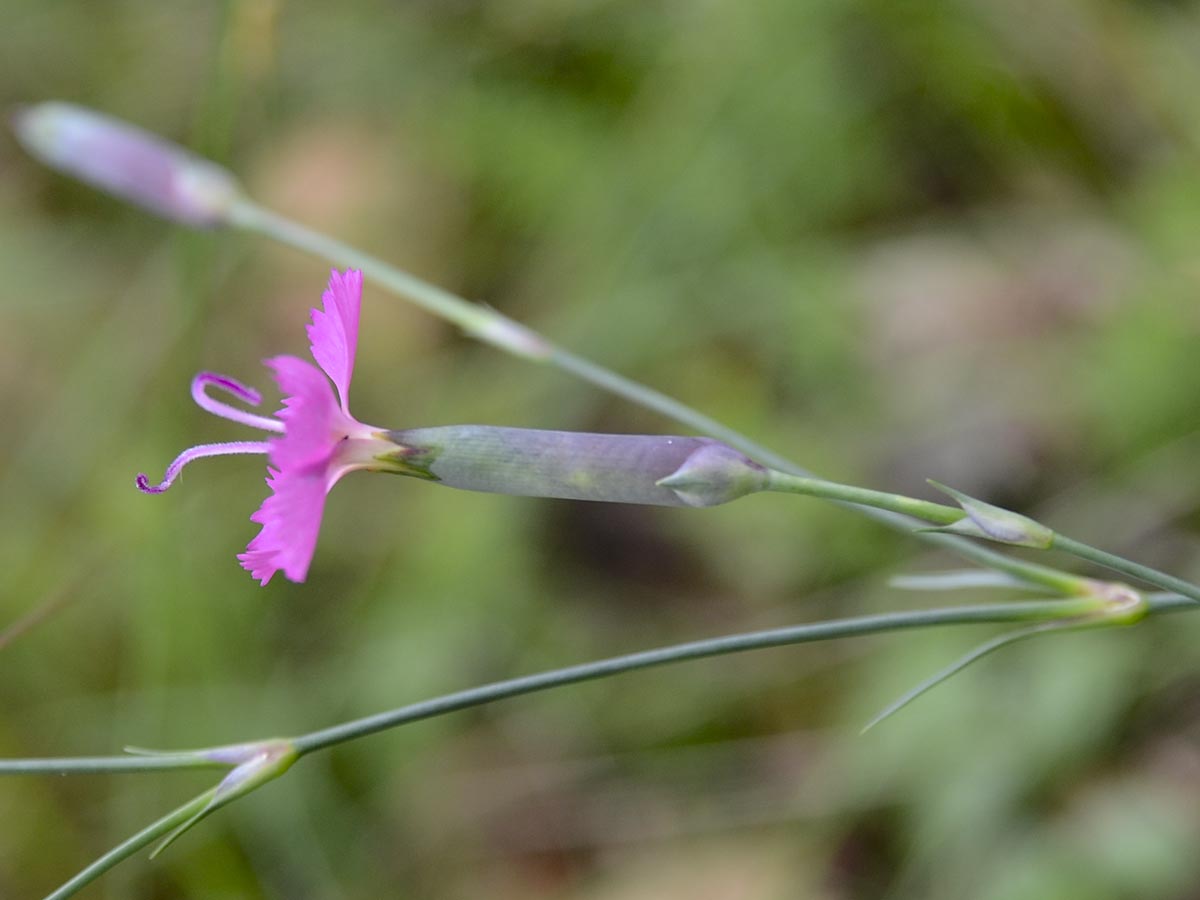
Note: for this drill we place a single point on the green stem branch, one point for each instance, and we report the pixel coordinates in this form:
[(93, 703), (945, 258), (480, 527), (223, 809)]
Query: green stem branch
[(736, 643), (85, 764), (127, 848), (936, 513), (837, 628)]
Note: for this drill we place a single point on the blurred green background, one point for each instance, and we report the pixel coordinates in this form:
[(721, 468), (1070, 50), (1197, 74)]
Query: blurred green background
[(893, 240)]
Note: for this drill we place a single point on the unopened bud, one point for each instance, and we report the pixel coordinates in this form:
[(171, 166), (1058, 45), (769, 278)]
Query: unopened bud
[(128, 162), (995, 523)]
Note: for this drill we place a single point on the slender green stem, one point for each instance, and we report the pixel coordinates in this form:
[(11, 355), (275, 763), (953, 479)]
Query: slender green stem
[(777, 637), (1126, 567), (127, 848), (476, 319), (489, 693), (1168, 601), (937, 513), (838, 628), (80, 764), (940, 514), (901, 511), (664, 404)]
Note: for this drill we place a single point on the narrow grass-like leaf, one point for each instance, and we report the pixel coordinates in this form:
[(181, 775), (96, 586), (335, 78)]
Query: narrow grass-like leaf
[(958, 665)]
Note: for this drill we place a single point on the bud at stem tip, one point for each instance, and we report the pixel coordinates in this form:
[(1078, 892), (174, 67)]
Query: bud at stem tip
[(127, 162)]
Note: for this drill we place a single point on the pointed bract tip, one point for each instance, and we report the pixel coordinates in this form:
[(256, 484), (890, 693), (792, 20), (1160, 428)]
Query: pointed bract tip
[(714, 474)]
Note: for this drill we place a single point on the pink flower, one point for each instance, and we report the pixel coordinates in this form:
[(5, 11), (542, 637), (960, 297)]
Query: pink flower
[(318, 440)]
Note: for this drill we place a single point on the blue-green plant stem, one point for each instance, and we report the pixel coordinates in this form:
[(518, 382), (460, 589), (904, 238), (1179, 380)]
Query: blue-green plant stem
[(1039, 610), (1032, 573), (127, 848), (1126, 567), (473, 318), (837, 628), (84, 764), (902, 511), (937, 513), (940, 514)]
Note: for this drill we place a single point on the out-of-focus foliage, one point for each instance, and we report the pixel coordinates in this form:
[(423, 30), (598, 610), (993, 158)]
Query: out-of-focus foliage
[(949, 238)]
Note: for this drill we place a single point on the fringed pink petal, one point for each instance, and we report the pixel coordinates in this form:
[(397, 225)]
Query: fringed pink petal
[(291, 520), (300, 474), (310, 414), (333, 333)]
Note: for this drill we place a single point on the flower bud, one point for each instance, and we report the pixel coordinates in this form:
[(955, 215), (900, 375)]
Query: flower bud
[(128, 162)]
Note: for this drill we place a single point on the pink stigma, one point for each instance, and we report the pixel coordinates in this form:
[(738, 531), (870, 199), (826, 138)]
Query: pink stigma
[(246, 394), (225, 449)]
